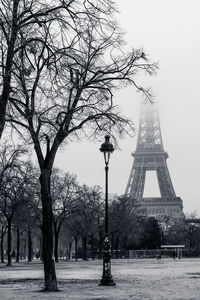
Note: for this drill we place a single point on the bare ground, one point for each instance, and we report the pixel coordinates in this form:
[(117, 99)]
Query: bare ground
[(146, 279)]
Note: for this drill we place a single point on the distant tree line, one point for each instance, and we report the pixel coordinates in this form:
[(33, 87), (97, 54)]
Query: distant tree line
[(78, 216)]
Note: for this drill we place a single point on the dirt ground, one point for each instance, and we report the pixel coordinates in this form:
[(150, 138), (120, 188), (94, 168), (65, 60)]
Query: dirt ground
[(144, 279)]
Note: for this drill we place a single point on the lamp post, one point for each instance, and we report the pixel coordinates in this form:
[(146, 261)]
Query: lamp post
[(107, 149)]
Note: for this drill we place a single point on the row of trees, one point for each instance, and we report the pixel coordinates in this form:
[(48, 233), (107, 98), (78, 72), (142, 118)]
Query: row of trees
[(75, 208), (78, 215), (78, 210)]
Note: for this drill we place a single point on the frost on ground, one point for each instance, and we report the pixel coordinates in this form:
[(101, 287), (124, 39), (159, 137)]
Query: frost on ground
[(146, 279)]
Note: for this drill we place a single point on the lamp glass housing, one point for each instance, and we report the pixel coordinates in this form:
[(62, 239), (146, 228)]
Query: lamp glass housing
[(107, 149), (106, 157)]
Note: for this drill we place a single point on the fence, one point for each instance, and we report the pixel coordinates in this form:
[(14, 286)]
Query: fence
[(141, 254), (162, 252)]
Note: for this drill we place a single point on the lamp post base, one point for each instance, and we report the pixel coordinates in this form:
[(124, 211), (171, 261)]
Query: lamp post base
[(107, 282), (106, 279)]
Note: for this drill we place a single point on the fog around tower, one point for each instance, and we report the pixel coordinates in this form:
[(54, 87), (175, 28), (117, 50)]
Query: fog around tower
[(169, 32)]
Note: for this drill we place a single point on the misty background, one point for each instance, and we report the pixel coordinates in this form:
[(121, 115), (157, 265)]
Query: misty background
[(169, 32)]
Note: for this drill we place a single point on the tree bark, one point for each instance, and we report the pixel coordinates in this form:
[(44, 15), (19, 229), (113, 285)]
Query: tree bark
[(84, 247), (2, 250), (92, 246), (70, 249), (9, 242), (56, 237), (76, 248), (29, 245), (47, 214), (18, 245), (41, 249), (8, 66), (24, 249)]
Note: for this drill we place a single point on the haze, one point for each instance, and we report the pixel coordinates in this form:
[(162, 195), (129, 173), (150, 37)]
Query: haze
[(168, 31)]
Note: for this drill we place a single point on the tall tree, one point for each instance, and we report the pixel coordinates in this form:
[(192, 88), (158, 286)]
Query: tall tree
[(17, 16), (69, 57)]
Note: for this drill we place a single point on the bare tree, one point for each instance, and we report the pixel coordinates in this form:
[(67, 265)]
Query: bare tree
[(64, 188), (89, 202), (12, 184), (72, 224), (69, 57), (15, 16), (27, 215), (10, 161)]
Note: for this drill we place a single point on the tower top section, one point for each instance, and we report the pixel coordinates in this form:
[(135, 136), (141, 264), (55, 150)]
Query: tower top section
[(149, 132)]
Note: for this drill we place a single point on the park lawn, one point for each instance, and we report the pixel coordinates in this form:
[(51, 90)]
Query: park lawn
[(144, 279)]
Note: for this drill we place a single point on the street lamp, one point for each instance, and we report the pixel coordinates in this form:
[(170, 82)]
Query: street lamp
[(107, 149)]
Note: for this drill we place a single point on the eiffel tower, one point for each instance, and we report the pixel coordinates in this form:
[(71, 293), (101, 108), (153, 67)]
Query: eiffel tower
[(150, 155)]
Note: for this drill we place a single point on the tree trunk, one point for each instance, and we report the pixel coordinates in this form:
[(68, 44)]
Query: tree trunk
[(24, 249), (41, 249), (29, 245), (47, 223), (84, 247), (8, 66), (92, 247), (9, 242), (2, 250), (56, 237), (70, 249), (76, 248), (18, 245)]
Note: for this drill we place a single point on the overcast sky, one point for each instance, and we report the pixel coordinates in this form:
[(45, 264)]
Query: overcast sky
[(169, 32)]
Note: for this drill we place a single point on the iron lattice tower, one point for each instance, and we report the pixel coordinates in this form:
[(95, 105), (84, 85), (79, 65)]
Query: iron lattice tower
[(150, 155)]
